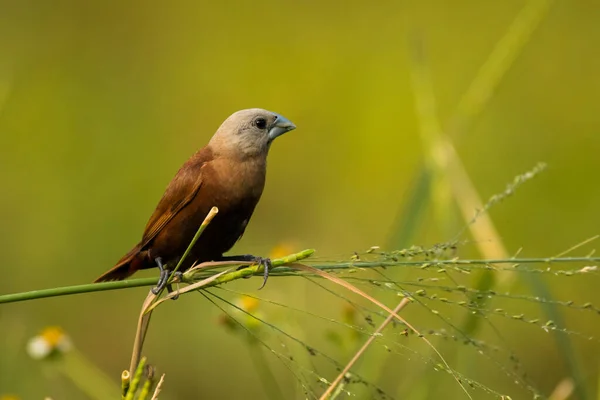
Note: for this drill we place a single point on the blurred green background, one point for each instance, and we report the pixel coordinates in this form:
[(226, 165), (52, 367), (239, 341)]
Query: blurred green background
[(101, 102)]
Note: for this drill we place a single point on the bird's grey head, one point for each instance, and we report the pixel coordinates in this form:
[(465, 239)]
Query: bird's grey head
[(248, 133)]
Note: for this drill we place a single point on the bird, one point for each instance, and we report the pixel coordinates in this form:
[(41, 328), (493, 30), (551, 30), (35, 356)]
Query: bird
[(228, 173)]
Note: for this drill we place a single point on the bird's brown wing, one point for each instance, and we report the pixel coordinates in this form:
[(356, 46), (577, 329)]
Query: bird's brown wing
[(181, 190)]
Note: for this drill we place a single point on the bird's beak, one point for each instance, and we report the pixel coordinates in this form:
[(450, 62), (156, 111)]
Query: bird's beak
[(281, 126)]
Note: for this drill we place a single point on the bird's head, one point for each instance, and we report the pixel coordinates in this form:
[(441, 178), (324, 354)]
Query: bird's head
[(248, 133)]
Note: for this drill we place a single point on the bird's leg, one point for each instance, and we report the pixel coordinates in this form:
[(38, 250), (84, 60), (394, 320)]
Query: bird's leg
[(164, 277), (264, 261)]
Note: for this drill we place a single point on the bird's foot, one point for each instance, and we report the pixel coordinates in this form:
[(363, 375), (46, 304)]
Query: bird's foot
[(164, 277), (267, 265), (264, 261)]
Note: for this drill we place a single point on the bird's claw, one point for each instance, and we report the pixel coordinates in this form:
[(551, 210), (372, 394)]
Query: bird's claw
[(264, 261), (267, 265), (164, 279)]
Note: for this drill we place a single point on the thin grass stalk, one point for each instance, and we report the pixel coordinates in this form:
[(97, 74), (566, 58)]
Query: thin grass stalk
[(158, 388), (151, 298), (359, 292), (207, 220), (265, 374), (363, 348), (282, 270), (141, 330)]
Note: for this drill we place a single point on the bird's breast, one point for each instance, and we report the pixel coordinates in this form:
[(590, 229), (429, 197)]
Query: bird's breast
[(234, 183), (235, 189)]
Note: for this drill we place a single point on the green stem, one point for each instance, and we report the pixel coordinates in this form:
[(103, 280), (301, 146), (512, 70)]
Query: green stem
[(77, 289), (433, 263), (281, 271), (258, 269), (137, 378), (102, 286), (145, 392)]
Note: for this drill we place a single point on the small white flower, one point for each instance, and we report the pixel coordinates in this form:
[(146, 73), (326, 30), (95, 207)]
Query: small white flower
[(38, 348), (51, 339)]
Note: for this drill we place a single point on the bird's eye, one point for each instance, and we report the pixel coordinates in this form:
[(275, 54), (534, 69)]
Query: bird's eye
[(260, 123)]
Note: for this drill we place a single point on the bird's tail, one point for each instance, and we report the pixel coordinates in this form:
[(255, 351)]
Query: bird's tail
[(127, 266)]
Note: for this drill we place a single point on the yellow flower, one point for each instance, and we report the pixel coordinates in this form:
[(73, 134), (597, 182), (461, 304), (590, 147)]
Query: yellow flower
[(281, 250), (248, 307), (52, 339), (249, 304)]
